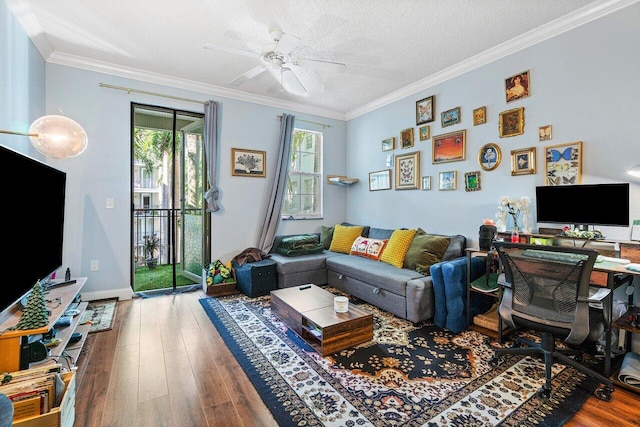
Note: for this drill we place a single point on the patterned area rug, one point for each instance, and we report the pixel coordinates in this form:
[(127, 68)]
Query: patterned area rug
[(407, 376), (101, 314)]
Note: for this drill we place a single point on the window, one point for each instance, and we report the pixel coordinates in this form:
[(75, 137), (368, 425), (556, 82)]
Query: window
[(303, 197)]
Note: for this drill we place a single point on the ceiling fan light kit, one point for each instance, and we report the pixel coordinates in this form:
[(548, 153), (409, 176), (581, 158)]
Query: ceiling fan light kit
[(277, 58)]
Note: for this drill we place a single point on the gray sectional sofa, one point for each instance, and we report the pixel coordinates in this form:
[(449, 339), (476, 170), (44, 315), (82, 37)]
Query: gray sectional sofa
[(402, 291)]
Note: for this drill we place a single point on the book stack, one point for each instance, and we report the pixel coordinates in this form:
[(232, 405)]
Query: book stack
[(33, 392), (489, 319)]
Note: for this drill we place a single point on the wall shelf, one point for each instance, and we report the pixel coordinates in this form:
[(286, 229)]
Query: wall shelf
[(341, 180)]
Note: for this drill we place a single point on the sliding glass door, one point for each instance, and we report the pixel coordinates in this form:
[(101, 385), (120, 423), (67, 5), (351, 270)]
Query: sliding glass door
[(168, 220)]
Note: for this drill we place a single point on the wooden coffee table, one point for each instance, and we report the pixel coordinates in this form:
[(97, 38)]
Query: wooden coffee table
[(308, 310)]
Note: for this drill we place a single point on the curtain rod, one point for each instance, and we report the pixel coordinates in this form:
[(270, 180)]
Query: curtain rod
[(324, 125), (144, 92)]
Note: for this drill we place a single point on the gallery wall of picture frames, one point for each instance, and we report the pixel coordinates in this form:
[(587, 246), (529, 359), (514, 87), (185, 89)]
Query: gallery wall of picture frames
[(563, 162)]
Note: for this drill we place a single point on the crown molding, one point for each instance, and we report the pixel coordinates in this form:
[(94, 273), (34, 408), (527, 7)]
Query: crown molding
[(566, 23), (176, 82)]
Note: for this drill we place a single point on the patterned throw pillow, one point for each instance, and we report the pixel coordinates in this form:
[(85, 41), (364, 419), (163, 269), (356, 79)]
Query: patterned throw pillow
[(368, 248), (397, 247), (343, 238)]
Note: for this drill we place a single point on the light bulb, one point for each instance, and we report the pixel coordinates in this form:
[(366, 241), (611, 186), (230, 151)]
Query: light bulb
[(58, 137)]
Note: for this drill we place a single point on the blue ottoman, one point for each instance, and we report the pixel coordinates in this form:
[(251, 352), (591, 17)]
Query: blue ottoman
[(258, 278)]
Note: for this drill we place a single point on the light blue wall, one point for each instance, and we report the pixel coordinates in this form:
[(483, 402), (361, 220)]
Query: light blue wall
[(584, 83), (22, 77), (103, 170)]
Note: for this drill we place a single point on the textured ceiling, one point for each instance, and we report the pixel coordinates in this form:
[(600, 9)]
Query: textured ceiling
[(391, 48)]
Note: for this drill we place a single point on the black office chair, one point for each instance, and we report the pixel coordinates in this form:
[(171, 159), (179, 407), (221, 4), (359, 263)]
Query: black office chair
[(547, 290)]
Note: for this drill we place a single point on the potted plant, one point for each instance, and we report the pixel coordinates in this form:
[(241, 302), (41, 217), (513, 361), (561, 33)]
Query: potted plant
[(151, 245)]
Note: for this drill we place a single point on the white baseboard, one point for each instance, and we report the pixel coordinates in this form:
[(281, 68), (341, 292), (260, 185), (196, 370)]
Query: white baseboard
[(121, 294)]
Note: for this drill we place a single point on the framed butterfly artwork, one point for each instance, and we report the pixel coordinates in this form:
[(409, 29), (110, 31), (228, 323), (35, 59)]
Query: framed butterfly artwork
[(563, 164)]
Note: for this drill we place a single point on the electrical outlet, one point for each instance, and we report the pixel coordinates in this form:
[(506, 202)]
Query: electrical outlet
[(110, 203), (95, 265)]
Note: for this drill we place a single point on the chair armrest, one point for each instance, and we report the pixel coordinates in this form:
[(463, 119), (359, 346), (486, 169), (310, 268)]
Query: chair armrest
[(502, 281), (597, 296)]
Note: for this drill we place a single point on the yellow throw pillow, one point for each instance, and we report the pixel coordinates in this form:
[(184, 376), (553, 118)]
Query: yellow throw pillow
[(397, 247), (343, 237)]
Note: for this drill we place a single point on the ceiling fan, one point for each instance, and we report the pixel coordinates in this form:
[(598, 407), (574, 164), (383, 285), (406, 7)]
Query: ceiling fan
[(276, 57)]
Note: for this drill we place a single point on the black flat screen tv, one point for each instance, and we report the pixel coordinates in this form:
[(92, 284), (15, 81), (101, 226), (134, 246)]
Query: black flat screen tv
[(584, 205), (33, 195)]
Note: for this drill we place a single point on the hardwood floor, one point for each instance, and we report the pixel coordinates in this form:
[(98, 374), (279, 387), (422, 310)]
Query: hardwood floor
[(164, 364)]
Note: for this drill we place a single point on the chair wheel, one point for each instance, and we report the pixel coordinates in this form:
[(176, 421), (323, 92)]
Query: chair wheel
[(544, 393), (604, 393)]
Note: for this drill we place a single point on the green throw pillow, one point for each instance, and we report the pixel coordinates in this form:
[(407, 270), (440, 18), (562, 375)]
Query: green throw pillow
[(424, 251), (326, 234)]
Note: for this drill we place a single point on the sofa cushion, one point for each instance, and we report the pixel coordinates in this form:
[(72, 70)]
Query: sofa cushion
[(380, 233), (288, 265), (343, 237), (456, 247), (424, 251), (326, 234), (397, 247), (368, 247)]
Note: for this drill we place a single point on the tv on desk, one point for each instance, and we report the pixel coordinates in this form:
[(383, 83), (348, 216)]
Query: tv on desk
[(584, 205), (33, 195)]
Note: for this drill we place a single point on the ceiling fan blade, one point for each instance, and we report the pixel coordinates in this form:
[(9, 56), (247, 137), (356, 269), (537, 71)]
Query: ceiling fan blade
[(291, 83), (336, 67), (247, 75), (286, 43), (226, 49)]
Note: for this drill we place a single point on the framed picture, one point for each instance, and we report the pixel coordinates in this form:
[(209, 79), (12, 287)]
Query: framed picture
[(448, 180), (450, 117), (518, 86), (389, 161), (544, 133), (563, 164), (380, 180), (425, 133), (389, 144), (523, 162), (424, 110), (449, 147), (248, 163), (408, 171), (511, 122), (426, 183), (406, 138), (489, 156), (480, 116), (472, 181)]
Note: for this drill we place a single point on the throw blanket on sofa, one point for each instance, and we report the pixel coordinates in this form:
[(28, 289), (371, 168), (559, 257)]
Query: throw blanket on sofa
[(300, 245)]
